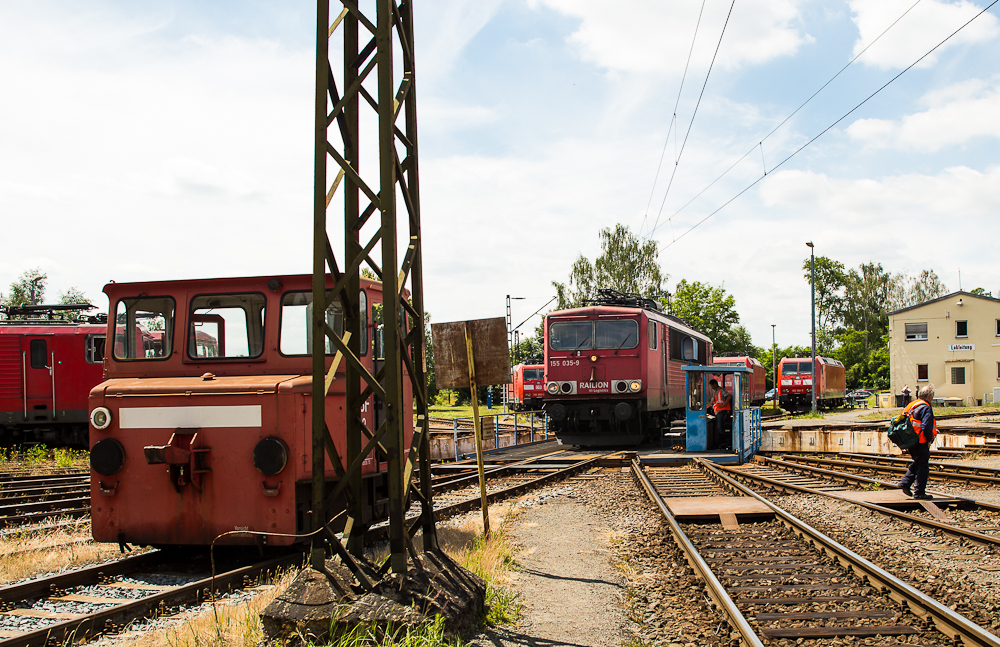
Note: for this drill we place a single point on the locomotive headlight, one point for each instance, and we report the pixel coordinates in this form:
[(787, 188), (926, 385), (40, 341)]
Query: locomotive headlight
[(634, 386), (270, 456), (552, 388), (593, 358), (100, 418), (107, 457)]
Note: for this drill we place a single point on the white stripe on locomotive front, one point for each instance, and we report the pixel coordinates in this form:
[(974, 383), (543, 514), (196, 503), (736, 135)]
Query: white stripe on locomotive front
[(189, 417)]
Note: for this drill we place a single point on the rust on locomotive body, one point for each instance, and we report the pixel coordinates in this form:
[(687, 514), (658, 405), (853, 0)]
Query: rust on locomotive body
[(203, 425), (613, 369)]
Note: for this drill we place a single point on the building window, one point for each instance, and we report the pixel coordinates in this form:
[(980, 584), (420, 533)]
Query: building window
[(921, 372), (998, 372), (916, 332), (998, 327), (958, 375), (961, 328)]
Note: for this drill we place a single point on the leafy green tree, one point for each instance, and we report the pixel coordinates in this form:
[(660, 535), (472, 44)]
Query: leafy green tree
[(711, 311), (28, 289), (625, 264), (906, 290), (866, 299), (981, 292), (830, 280)]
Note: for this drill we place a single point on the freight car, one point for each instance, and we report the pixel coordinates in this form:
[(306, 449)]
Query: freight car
[(795, 383), (204, 427), (757, 387), (527, 387), (613, 369), (48, 366)]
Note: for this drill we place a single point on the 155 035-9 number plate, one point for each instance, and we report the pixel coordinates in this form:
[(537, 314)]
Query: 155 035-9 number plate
[(565, 362)]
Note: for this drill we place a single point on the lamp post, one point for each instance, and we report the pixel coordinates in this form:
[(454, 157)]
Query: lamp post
[(812, 288), (774, 369)]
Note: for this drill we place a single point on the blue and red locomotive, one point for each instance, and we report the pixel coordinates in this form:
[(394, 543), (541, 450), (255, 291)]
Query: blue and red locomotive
[(613, 369)]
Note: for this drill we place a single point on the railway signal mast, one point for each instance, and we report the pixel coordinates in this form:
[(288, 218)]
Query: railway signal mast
[(371, 209)]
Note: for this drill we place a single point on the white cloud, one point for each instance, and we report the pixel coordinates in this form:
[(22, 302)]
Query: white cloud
[(956, 115), (654, 37), (920, 30)]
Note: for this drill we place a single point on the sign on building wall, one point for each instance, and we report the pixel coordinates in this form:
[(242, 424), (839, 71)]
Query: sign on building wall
[(961, 347)]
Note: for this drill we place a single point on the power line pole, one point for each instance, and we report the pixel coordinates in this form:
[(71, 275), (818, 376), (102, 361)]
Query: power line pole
[(370, 209), (812, 289)]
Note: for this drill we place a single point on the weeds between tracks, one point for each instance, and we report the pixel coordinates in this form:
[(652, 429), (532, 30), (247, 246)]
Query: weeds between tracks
[(236, 622)]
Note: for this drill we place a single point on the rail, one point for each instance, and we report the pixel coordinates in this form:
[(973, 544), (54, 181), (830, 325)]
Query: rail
[(947, 621)]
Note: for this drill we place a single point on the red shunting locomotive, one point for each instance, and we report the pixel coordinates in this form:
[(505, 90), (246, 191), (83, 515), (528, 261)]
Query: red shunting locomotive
[(527, 387), (795, 383), (47, 368), (203, 425), (756, 387), (613, 370)]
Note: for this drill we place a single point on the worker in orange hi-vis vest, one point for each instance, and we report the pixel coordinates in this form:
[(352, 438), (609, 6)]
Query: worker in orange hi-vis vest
[(922, 418), (722, 405)]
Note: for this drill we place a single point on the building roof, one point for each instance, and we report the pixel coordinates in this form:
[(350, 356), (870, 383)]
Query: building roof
[(961, 293)]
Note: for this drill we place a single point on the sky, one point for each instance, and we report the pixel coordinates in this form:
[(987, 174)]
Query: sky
[(143, 140)]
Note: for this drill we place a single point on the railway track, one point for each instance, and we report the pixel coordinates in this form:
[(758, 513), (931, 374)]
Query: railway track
[(896, 467), (959, 517), (78, 605), (781, 579), (29, 499)]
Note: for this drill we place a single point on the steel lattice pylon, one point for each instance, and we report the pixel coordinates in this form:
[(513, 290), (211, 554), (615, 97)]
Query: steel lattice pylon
[(370, 206)]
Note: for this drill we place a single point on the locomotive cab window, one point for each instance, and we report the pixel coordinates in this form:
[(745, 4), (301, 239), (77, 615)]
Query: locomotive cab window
[(651, 334), (615, 334), (144, 328), (534, 374), (571, 335), (226, 326), (296, 333), (94, 349)]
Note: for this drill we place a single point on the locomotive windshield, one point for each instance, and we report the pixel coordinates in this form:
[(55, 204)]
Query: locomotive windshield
[(797, 368), (605, 334), (296, 333), (144, 328), (226, 325), (534, 374)]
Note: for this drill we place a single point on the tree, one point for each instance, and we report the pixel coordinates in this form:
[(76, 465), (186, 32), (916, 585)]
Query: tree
[(981, 292), (866, 299), (626, 264), (710, 311), (906, 290), (28, 289), (830, 279), (71, 296)]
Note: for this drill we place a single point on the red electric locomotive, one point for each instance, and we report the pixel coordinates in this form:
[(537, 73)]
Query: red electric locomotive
[(47, 369), (758, 378), (795, 383), (613, 369), (527, 387), (203, 425)]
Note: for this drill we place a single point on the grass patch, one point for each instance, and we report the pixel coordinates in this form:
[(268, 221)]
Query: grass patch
[(39, 459), (33, 551), (430, 634)]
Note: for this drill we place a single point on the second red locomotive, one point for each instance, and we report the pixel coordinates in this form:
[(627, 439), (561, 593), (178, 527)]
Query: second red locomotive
[(795, 383), (47, 368), (613, 369)]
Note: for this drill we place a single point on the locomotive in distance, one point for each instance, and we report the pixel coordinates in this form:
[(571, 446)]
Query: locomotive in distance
[(614, 369), (527, 387), (757, 388), (795, 383), (48, 365), (208, 431)]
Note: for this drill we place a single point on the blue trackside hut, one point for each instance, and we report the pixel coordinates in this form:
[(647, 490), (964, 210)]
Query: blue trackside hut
[(744, 436)]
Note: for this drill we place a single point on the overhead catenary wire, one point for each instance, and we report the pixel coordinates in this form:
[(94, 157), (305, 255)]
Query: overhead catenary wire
[(828, 128), (786, 119), (677, 161), (673, 120)]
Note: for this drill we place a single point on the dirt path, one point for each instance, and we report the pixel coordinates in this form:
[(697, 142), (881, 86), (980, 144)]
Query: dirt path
[(569, 590)]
